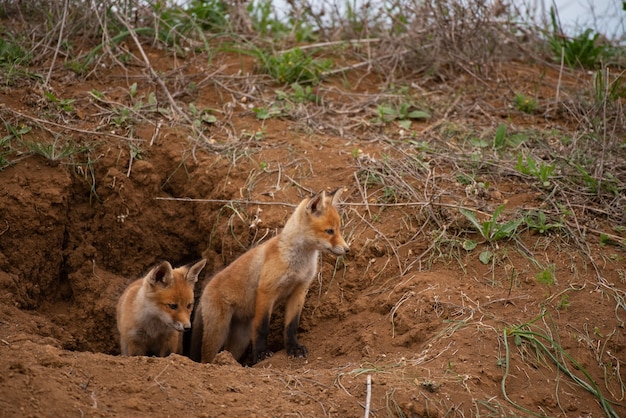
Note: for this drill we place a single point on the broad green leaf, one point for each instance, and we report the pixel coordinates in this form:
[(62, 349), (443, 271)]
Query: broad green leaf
[(208, 118), (405, 124), (469, 244), (485, 257), (419, 114), (471, 216), (480, 143), (500, 136)]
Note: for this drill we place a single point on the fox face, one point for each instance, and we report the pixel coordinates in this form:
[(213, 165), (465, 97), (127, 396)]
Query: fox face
[(325, 223), (153, 312), (318, 225), (174, 301)]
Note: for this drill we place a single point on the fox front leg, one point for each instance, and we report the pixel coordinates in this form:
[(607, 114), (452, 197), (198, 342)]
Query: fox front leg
[(261, 324), (260, 351), (293, 308)]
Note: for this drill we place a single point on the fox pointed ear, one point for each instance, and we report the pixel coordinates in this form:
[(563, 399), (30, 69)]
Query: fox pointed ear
[(317, 203), (194, 271), (336, 195), (162, 275)]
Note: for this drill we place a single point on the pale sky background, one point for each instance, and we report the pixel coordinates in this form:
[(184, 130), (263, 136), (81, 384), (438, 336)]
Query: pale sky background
[(604, 16)]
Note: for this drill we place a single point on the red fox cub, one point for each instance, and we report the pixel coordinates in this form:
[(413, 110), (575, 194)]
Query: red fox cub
[(235, 306), (153, 312)]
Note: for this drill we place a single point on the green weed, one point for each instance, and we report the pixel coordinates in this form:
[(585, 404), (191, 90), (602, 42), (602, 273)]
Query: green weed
[(606, 88), (15, 132), (564, 302), (55, 151), (264, 19), (122, 116), (5, 151), (609, 183), (201, 116), (547, 276), (543, 171), (403, 115), (525, 104), (551, 350), (583, 50), (293, 66), (11, 53), (263, 113), (491, 230), (606, 239), (210, 15), (266, 23), (81, 65), (6, 146), (299, 94), (499, 140), (537, 221), (65, 105)]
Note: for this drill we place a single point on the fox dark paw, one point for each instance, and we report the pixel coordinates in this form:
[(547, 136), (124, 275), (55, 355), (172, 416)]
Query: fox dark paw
[(298, 351), (262, 356)]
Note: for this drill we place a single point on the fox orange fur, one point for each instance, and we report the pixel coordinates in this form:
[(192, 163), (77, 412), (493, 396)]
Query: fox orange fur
[(235, 306), (153, 312)]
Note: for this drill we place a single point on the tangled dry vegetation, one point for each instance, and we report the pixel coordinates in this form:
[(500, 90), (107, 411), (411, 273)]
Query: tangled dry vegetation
[(484, 163)]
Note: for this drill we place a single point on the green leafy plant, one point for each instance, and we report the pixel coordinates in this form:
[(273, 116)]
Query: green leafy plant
[(263, 113), (122, 115), (266, 22), (264, 19), (537, 221), (547, 276), (14, 133), (389, 195), (56, 150), (11, 53), (201, 116), (293, 66), (606, 239), (499, 140), (66, 105), (609, 183), (525, 104), (550, 349), (491, 230), (607, 88), (298, 94), (543, 171), (564, 302), (583, 50), (402, 115), (208, 14), (5, 150)]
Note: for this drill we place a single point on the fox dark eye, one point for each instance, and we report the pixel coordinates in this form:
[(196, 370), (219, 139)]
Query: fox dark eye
[(330, 231), (172, 306), (189, 306)]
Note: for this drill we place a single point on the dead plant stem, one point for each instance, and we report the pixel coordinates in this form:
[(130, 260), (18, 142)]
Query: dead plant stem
[(60, 40)]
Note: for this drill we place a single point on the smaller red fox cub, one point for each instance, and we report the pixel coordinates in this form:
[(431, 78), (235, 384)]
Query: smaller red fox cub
[(153, 312), (236, 304)]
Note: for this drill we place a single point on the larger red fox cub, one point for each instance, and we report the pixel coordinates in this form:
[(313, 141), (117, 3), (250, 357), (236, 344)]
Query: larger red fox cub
[(153, 312), (235, 307)]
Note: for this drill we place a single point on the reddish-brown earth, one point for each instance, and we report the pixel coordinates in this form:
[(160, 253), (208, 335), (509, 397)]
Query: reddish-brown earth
[(418, 314)]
